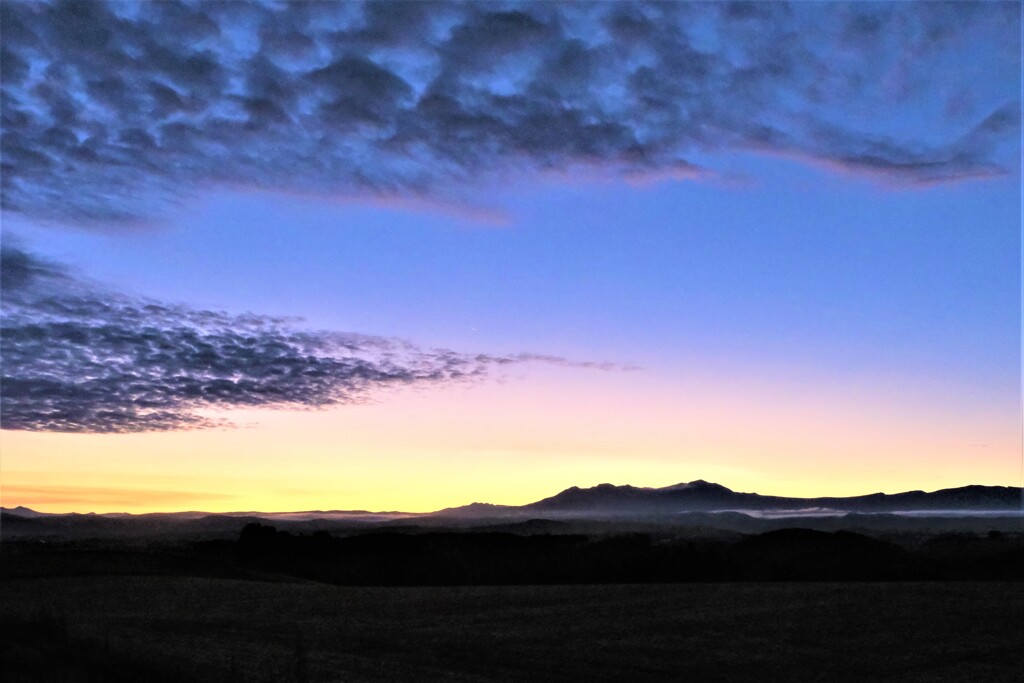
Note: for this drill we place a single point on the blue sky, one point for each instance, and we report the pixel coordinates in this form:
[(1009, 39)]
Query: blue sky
[(795, 262), (809, 214)]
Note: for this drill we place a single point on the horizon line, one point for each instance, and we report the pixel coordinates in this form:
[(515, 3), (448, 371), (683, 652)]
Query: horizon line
[(405, 513)]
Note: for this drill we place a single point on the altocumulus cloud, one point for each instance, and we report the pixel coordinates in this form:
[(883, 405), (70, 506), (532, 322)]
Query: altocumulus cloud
[(112, 110), (79, 358)]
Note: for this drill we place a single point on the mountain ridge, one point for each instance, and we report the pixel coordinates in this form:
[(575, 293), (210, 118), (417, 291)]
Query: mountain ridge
[(703, 496), (618, 500)]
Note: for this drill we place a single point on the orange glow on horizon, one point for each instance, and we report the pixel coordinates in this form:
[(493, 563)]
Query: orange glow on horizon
[(517, 442)]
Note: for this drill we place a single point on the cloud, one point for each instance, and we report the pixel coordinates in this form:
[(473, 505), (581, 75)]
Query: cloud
[(78, 358), (118, 110)]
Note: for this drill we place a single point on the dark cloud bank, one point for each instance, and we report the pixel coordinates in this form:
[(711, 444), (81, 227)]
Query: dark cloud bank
[(111, 110), (77, 358)]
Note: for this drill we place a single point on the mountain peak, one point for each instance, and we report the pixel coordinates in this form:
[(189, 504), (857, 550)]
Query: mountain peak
[(698, 485), (23, 511)]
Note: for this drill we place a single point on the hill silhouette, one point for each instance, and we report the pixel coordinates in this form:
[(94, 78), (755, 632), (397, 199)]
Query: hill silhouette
[(703, 496), (694, 504)]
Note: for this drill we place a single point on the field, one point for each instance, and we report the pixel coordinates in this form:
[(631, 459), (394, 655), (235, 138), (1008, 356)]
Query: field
[(190, 628)]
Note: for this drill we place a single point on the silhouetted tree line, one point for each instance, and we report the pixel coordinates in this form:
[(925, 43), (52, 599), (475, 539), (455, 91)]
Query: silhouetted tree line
[(452, 558)]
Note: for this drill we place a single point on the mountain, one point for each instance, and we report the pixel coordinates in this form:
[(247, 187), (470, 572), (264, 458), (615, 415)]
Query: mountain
[(598, 502), (23, 511), (702, 496), (478, 510), (695, 496)]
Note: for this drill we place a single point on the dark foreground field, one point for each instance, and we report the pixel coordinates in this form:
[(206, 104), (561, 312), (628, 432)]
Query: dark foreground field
[(161, 628)]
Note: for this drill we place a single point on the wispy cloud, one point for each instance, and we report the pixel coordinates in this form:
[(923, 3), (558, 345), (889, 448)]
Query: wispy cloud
[(79, 358), (113, 110)]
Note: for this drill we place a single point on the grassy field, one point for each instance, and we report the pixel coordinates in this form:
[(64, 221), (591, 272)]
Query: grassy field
[(176, 628)]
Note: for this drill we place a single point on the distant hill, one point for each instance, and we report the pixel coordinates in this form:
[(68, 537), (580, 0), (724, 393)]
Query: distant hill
[(23, 511), (703, 496), (677, 504)]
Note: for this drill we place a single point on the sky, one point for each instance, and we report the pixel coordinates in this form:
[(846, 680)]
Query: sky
[(406, 256)]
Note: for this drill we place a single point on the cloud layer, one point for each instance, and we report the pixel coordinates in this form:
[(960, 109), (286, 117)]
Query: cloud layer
[(77, 358), (114, 110)]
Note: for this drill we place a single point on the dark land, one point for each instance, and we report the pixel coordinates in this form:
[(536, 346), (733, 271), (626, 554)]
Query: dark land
[(600, 585)]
